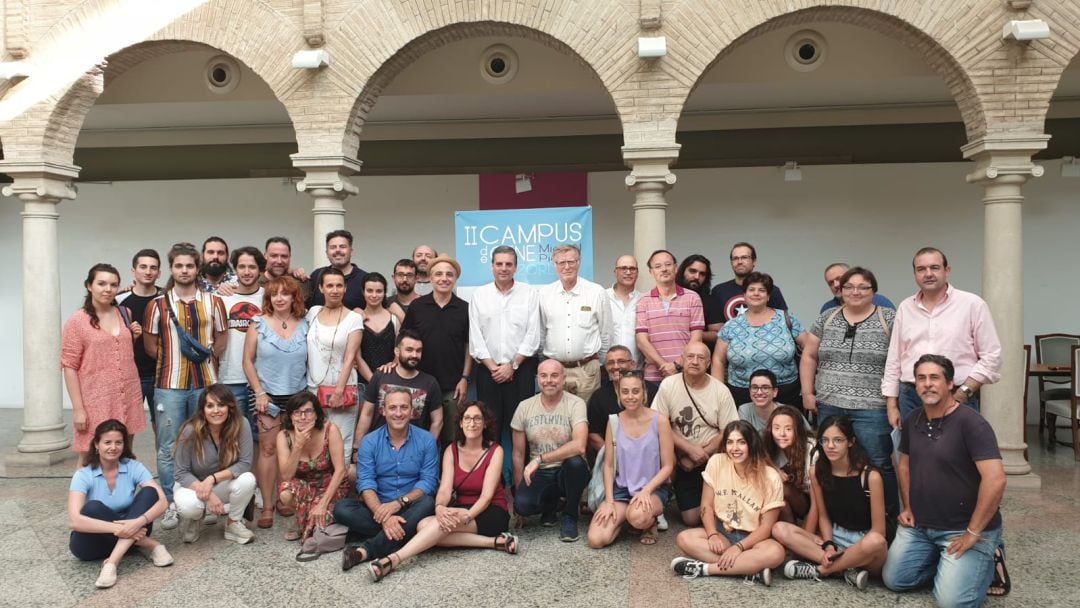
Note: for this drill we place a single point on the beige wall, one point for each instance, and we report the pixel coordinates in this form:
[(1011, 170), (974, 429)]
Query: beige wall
[(875, 215)]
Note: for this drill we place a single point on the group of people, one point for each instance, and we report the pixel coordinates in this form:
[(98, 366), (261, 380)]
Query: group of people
[(702, 394)]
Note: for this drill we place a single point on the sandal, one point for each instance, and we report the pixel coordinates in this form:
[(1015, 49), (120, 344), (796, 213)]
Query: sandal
[(301, 556), (509, 544), (266, 518), (648, 537), (1002, 584), (293, 534), (285, 511), (379, 568)]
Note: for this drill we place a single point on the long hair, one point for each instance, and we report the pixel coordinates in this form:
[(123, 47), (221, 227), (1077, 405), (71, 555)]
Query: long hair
[(756, 459), (857, 458), (489, 423), (290, 286), (88, 301), (706, 285), (93, 458), (229, 444), (796, 454)]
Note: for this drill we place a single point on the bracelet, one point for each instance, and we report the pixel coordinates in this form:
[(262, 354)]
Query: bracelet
[(975, 534), (260, 393), (828, 543), (712, 535), (214, 477), (740, 546)]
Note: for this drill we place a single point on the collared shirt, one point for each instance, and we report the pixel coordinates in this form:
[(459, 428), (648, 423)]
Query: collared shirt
[(228, 278), (391, 472), (130, 476), (577, 323), (202, 317), (624, 322), (960, 328), (354, 288), (668, 323), (503, 325), (445, 333)]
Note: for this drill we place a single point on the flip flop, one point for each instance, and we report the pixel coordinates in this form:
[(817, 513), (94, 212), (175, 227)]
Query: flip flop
[(1002, 584)]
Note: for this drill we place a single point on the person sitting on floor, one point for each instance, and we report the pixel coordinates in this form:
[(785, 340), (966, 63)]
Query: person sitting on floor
[(790, 447)]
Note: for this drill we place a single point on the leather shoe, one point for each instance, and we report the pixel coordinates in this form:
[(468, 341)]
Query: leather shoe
[(351, 557)]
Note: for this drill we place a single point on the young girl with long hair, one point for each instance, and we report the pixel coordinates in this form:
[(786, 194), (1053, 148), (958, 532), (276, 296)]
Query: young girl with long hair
[(790, 446)]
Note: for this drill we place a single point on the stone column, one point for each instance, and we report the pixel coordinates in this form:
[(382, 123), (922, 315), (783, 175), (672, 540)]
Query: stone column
[(41, 186), (650, 177), (327, 181), (1002, 166)]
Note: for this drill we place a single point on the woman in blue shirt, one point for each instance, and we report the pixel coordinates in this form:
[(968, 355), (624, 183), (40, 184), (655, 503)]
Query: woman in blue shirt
[(112, 503)]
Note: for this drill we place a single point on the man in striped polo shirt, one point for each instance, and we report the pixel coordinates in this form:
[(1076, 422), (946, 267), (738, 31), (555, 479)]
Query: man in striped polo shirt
[(178, 380), (668, 318)]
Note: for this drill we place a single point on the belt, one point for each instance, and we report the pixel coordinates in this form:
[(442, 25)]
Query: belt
[(580, 362)]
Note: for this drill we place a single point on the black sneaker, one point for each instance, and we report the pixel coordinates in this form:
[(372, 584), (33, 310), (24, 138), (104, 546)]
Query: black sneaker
[(857, 577), (764, 577), (800, 570), (689, 568), (548, 520), (569, 531)]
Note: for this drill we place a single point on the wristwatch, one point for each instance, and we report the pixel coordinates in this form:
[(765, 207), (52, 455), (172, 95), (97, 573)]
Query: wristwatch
[(966, 390), (404, 500), (514, 364)]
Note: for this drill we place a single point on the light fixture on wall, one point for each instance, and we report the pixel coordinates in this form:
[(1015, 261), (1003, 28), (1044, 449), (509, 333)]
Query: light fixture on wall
[(523, 183), (792, 172), (1070, 166), (651, 47), (311, 59), (1025, 30)]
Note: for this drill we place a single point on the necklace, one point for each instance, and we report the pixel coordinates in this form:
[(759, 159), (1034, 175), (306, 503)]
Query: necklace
[(934, 432), (284, 322)]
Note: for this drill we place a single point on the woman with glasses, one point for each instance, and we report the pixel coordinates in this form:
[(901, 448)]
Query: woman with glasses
[(842, 366), (470, 506), (761, 337), (763, 391), (311, 458), (639, 458)]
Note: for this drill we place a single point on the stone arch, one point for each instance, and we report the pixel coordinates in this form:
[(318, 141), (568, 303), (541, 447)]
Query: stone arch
[(599, 34), (708, 31)]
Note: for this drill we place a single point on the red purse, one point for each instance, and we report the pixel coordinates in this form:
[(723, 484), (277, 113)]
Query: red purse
[(347, 400)]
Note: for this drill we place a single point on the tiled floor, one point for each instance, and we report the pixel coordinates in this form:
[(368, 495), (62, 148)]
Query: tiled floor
[(36, 569)]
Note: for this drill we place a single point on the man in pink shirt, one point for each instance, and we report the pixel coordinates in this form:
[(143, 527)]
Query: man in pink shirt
[(668, 318), (942, 320)]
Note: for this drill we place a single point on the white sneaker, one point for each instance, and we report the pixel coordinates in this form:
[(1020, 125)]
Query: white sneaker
[(238, 533), (171, 518), (661, 523), (190, 529), (161, 556), (210, 519), (258, 501), (107, 578), (857, 577)]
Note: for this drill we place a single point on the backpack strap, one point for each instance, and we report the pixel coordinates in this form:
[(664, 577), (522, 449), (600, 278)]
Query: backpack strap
[(884, 325)]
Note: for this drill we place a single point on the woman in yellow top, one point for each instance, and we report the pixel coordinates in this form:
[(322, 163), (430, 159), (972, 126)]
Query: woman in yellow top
[(741, 501)]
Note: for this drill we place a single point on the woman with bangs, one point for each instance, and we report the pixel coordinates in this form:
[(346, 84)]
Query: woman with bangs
[(213, 466), (275, 363), (740, 503), (790, 447)]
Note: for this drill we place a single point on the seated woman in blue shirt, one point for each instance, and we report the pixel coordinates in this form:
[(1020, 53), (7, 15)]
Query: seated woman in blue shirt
[(112, 503)]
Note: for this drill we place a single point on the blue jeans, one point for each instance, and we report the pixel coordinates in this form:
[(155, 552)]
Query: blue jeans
[(873, 432), (567, 480), (910, 401), (174, 406), (355, 515), (147, 385), (242, 392), (917, 558), (91, 546)]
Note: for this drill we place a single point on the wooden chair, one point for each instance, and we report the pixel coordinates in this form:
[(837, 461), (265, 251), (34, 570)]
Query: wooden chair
[(1066, 408), (1053, 349)]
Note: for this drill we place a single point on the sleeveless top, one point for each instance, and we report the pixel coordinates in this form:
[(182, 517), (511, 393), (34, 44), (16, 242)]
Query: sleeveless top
[(847, 504), (637, 459), (468, 487), (377, 349), (280, 363)]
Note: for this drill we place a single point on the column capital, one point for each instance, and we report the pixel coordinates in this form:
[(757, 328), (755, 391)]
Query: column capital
[(329, 175), (40, 181), (1005, 157), (650, 165)]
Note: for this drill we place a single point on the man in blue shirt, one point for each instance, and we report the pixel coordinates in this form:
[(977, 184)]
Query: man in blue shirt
[(397, 473)]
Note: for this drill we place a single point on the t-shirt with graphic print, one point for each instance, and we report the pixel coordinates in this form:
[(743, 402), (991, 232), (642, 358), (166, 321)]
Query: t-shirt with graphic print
[(548, 429), (426, 396), (713, 400), (737, 503)]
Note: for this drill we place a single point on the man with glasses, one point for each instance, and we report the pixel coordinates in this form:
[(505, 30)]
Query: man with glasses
[(404, 278), (668, 318), (575, 318), (939, 319), (729, 294), (623, 297), (698, 407), (951, 481), (833, 272)]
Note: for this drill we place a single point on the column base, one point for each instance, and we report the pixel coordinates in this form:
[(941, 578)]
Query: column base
[(1026, 481), (37, 459)]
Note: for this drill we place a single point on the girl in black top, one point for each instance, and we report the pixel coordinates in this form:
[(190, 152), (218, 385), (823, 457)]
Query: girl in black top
[(849, 498)]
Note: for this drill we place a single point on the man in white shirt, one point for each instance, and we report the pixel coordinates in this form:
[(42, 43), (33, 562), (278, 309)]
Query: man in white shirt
[(575, 318), (504, 335), (623, 297), (241, 306)]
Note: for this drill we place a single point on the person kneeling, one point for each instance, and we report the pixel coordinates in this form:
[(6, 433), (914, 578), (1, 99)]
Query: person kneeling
[(397, 468), (849, 498), (740, 504), (213, 466), (470, 508), (639, 456), (112, 502)]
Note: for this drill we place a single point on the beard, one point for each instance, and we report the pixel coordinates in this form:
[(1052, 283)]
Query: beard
[(214, 269), (405, 290), (409, 363)]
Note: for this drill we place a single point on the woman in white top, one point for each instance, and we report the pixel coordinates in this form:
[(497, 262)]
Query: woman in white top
[(333, 346)]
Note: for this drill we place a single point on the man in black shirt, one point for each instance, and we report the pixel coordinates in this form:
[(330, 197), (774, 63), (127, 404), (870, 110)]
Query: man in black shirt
[(339, 250), (145, 270), (605, 401), (729, 294), (695, 274)]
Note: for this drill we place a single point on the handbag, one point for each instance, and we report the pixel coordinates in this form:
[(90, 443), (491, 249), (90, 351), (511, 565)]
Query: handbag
[(596, 492), (190, 347), (327, 539), (348, 399)]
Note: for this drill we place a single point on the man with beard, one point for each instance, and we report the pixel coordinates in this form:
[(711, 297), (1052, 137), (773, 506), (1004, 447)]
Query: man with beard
[(339, 250), (427, 402), (278, 254), (240, 307), (180, 380), (422, 257), (695, 274), (729, 294), (215, 275), (404, 278)]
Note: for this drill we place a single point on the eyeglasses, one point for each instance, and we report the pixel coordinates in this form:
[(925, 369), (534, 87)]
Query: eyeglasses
[(741, 258), (472, 420), (663, 265), (626, 268), (834, 441), (405, 275), (857, 288), (304, 413), (567, 262), (761, 389)]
